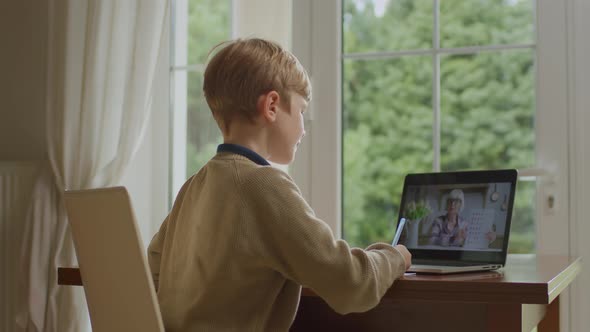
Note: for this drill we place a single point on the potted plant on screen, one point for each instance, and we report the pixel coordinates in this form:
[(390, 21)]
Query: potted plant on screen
[(414, 213)]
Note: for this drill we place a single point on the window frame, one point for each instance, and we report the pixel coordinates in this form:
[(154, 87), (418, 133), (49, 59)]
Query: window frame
[(319, 51)]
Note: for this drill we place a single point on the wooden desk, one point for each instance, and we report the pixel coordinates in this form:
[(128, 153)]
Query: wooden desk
[(517, 298)]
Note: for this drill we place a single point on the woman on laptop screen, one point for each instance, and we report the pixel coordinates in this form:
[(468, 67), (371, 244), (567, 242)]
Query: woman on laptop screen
[(451, 228)]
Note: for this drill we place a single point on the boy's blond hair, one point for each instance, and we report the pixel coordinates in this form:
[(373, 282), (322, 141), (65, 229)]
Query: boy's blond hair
[(244, 69)]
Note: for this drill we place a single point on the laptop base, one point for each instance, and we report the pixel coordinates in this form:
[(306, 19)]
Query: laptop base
[(446, 269)]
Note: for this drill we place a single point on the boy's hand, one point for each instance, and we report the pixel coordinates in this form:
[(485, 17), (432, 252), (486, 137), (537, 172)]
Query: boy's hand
[(407, 256)]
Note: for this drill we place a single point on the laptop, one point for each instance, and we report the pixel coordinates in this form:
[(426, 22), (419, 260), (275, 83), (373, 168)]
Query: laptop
[(117, 282), (455, 222)]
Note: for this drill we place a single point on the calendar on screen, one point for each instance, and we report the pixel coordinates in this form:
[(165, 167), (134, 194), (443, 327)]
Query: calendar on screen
[(480, 223)]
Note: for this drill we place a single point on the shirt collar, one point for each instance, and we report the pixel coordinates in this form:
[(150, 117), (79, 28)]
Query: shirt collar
[(243, 151)]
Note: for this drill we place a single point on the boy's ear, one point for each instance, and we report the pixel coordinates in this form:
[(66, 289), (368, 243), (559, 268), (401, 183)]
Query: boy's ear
[(268, 105)]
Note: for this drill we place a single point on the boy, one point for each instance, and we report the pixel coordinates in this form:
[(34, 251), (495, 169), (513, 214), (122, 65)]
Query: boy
[(240, 239)]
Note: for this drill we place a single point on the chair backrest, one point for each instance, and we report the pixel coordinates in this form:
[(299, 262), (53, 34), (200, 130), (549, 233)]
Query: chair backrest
[(117, 282)]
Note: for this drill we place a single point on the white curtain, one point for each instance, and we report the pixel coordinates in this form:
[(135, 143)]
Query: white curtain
[(102, 56), (16, 183)]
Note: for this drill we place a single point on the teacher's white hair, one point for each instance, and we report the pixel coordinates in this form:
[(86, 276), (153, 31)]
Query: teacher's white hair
[(457, 194)]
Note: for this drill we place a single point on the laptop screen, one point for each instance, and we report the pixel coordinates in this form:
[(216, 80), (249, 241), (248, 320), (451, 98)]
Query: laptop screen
[(458, 215)]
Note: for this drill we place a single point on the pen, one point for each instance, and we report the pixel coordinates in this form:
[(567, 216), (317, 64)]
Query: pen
[(398, 232)]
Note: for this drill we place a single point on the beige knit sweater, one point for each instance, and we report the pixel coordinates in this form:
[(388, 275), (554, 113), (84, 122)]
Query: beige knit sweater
[(239, 242)]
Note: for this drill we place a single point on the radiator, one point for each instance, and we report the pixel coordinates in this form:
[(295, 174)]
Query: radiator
[(16, 184)]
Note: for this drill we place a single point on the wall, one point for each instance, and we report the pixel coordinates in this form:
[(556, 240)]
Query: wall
[(579, 150), (23, 52), (23, 41)]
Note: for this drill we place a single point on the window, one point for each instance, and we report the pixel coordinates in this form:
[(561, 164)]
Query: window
[(428, 86), (531, 56), (198, 25)]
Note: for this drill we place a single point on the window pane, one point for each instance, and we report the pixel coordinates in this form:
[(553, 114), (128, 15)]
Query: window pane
[(209, 24), (486, 22), (487, 110), (522, 230), (387, 132), (203, 135), (386, 25)]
